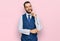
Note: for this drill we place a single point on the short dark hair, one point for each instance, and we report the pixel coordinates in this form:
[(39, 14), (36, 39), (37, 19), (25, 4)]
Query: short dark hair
[(26, 2)]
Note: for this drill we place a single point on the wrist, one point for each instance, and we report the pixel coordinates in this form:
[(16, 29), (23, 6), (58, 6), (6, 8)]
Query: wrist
[(30, 31)]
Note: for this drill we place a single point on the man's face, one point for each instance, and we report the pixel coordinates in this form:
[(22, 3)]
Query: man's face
[(28, 7)]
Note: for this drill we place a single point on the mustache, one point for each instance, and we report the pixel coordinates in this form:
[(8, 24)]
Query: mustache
[(31, 9)]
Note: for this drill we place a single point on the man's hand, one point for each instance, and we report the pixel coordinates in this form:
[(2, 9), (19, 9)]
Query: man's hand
[(34, 31), (33, 14)]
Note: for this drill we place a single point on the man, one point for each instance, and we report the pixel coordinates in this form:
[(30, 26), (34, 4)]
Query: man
[(29, 24)]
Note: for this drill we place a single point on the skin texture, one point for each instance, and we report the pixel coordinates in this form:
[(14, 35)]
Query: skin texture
[(28, 9)]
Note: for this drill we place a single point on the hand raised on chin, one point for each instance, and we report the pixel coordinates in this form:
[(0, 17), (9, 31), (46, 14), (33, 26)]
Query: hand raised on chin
[(33, 14)]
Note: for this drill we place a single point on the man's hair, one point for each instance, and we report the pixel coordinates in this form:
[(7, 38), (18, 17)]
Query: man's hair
[(26, 2)]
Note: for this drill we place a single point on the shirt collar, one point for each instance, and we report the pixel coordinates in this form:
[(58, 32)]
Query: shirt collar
[(28, 14)]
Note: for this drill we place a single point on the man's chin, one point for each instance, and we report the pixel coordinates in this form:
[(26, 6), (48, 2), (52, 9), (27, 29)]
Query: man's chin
[(29, 12)]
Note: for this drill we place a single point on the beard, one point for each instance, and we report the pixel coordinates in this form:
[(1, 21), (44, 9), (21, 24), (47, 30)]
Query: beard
[(29, 11)]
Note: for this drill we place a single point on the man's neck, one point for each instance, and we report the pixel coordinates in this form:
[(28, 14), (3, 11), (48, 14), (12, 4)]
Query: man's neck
[(28, 13)]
